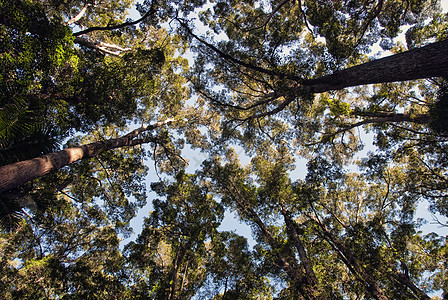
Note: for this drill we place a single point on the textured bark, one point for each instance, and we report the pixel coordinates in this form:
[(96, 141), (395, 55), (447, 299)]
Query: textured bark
[(15, 175), (425, 62)]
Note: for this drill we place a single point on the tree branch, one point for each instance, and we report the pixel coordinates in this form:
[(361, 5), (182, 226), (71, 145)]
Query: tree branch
[(105, 48), (235, 60), (150, 12)]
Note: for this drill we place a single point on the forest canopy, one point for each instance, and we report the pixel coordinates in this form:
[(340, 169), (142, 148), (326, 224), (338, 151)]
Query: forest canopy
[(185, 113)]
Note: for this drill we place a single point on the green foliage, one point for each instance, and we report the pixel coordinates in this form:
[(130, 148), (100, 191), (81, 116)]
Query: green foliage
[(338, 233), (439, 111)]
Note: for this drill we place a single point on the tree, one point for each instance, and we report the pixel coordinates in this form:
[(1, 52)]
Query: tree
[(285, 80), (56, 89), (169, 255), (370, 233), (66, 251), (16, 174)]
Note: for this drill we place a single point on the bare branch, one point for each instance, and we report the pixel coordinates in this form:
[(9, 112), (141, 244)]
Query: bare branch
[(105, 48), (374, 14), (269, 16), (150, 12), (235, 60), (79, 15), (299, 2)]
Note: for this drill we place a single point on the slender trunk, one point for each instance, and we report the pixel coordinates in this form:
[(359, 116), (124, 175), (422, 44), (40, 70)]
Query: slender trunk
[(184, 277), (16, 174), (311, 276), (285, 262), (404, 280), (177, 262), (352, 263), (311, 279), (286, 266), (425, 62)]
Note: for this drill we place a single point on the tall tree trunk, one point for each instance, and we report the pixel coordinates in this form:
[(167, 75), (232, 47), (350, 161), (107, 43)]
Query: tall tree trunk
[(312, 282), (425, 62), (311, 276), (352, 262), (16, 174), (287, 262), (406, 281)]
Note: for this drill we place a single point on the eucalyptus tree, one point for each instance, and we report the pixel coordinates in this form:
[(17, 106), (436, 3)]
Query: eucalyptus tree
[(299, 71), (167, 259), (333, 235), (68, 251), (81, 67), (274, 59)]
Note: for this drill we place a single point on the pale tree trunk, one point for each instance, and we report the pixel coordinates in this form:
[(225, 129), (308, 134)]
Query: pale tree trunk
[(425, 62), (79, 15), (16, 174)]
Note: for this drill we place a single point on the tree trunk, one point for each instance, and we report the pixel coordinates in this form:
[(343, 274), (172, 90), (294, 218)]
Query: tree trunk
[(311, 276), (425, 62), (16, 174), (403, 279), (312, 283), (352, 263)]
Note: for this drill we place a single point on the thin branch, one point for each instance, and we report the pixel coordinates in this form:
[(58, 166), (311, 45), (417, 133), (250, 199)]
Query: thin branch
[(269, 16), (150, 12), (383, 118), (155, 161), (71, 197), (299, 2), (263, 131), (437, 221), (274, 111), (364, 28), (235, 60)]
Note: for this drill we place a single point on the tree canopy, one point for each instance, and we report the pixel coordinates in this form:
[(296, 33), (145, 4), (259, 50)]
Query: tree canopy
[(104, 104)]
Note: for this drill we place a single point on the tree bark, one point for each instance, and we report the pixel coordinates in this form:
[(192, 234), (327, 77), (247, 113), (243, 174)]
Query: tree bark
[(403, 279), (16, 174), (425, 62), (311, 278)]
